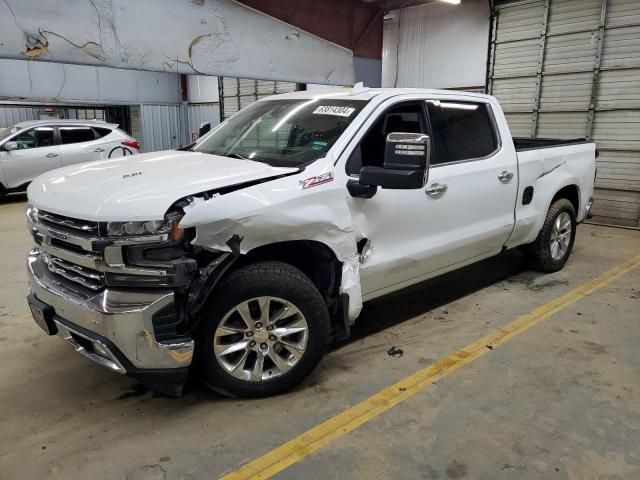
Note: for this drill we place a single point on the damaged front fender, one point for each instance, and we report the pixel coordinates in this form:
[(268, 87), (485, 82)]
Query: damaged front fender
[(278, 211)]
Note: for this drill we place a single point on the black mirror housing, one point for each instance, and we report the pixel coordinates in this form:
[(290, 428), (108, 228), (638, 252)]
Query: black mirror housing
[(205, 127), (406, 163), (392, 178)]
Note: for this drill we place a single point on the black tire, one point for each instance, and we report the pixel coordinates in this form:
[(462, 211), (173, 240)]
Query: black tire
[(538, 253), (274, 279)]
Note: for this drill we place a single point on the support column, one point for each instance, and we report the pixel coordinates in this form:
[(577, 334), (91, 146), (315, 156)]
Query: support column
[(543, 43)]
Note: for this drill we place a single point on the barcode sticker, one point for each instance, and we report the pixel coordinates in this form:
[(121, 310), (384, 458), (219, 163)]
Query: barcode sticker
[(333, 110)]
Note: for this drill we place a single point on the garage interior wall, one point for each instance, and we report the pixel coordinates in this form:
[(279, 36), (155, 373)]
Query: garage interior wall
[(157, 115), (438, 46), (571, 69), (237, 93), (24, 80)]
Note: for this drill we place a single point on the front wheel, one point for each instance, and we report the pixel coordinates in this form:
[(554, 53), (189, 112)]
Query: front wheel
[(554, 243), (265, 330)]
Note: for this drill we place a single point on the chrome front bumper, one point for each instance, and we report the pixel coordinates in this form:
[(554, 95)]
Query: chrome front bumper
[(111, 327)]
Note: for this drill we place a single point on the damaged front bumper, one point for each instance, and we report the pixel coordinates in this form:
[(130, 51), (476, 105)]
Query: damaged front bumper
[(112, 327)]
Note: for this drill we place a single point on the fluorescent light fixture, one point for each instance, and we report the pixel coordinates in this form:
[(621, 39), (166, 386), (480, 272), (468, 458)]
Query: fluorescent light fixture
[(452, 2)]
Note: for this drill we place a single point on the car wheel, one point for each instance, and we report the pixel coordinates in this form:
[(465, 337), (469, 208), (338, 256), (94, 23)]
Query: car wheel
[(264, 330), (554, 243)]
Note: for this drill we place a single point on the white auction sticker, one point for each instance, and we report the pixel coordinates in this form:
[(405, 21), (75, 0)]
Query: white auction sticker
[(333, 110)]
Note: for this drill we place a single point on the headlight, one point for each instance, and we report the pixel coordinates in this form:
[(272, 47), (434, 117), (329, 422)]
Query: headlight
[(32, 213), (142, 228)]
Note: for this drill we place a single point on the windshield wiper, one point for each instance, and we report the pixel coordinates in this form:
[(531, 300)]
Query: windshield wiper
[(237, 155), (242, 157)]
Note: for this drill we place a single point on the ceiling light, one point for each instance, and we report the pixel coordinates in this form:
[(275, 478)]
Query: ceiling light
[(453, 2)]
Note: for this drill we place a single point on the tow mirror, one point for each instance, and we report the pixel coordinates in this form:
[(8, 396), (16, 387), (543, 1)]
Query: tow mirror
[(406, 163), (8, 146)]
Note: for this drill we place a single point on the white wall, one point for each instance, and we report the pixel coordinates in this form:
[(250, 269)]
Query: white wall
[(440, 45), (202, 89), (23, 80)]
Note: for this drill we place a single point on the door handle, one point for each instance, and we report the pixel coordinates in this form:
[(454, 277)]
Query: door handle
[(436, 189), (51, 155), (99, 150), (505, 176)]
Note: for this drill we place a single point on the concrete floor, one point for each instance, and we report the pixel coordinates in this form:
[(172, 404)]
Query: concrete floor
[(561, 400)]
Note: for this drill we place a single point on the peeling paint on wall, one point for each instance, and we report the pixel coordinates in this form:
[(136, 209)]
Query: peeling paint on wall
[(217, 37)]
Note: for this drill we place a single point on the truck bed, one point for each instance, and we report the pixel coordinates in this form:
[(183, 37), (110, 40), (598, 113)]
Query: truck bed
[(523, 144)]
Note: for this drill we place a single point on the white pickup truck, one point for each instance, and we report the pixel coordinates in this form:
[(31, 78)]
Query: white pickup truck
[(248, 252)]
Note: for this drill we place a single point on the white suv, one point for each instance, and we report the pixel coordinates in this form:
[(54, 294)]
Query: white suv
[(30, 148)]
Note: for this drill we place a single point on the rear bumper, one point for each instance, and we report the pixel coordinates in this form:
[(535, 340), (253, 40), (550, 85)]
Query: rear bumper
[(113, 327)]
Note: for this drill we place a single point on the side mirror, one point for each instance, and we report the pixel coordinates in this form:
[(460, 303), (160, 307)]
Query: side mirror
[(205, 127), (406, 163), (8, 146)]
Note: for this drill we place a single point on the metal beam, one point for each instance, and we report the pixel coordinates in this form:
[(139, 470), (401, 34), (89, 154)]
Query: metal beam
[(596, 70), (212, 37), (495, 18), (543, 44)]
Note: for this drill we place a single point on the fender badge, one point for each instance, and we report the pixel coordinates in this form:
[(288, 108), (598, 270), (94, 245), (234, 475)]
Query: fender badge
[(134, 174), (317, 180)]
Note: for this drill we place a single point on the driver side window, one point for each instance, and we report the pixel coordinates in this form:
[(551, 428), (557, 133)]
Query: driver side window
[(35, 137), (406, 117)]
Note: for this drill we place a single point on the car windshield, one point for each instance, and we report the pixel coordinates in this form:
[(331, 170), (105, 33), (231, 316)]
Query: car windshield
[(283, 133)]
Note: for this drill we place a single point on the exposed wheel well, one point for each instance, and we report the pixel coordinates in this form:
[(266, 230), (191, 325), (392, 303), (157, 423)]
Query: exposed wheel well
[(314, 259), (571, 193)]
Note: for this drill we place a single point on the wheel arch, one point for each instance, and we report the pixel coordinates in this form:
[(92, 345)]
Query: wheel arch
[(572, 193), (313, 258)]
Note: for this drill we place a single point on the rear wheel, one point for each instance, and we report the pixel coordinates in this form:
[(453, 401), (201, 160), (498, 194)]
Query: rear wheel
[(552, 248), (266, 329)]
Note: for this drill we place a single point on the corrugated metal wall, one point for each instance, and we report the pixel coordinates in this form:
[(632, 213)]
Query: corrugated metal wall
[(200, 113), (571, 68), (237, 93), (12, 114), (163, 127), (166, 127)]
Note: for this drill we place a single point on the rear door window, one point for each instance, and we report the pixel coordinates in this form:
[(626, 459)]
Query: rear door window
[(71, 135), (461, 131)]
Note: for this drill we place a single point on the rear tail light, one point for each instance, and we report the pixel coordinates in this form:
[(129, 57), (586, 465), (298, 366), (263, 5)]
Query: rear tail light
[(131, 144)]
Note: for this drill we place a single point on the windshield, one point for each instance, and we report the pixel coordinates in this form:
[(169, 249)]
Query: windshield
[(283, 133)]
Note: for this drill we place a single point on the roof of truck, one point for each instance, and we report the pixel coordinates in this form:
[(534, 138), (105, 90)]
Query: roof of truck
[(365, 93)]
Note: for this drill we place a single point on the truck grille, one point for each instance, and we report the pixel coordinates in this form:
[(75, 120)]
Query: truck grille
[(78, 252), (53, 220), (84, 276)]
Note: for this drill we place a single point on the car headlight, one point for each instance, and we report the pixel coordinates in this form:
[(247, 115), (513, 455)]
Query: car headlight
[(32, 213), (169, 226)]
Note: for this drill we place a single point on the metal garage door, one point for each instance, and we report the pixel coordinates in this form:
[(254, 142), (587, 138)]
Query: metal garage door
[(571, 68), (237, 93)]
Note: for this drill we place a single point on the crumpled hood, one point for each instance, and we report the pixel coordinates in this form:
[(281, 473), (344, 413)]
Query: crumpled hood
[(139, 187)]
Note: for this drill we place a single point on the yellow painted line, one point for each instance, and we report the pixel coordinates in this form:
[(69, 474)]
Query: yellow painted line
[(305, 444)]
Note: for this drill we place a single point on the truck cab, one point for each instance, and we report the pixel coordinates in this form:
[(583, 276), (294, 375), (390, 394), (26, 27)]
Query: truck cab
[(250, 252)]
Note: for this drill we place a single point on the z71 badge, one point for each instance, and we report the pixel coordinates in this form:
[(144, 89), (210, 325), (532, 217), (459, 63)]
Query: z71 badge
[(317, 180)]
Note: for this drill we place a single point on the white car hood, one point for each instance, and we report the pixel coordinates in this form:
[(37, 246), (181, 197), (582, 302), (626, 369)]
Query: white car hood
[(139, 187)]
